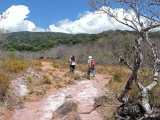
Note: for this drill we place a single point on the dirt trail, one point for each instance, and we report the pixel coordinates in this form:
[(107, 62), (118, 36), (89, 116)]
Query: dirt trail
[(83, 92)]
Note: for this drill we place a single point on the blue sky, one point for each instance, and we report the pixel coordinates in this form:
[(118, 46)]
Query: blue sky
[(45, 12), (68, 16)]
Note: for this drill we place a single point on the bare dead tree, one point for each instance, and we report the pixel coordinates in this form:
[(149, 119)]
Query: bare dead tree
[(142, 16)]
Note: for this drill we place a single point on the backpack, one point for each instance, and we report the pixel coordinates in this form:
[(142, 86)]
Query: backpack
[(92, 63)]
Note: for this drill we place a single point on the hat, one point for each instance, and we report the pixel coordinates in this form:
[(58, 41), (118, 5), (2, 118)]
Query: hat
[(90, 57)]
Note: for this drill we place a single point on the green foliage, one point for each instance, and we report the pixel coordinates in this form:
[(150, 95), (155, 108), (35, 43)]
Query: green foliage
[(38, 41)]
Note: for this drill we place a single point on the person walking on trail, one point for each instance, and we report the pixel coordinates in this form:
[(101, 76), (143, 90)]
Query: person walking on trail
[(91, 66), (72, 62)]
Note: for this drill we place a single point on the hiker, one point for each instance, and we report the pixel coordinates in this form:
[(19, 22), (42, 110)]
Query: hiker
[(72, 62), (91, 65)]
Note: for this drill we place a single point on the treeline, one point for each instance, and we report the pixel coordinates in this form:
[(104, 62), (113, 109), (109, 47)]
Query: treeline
[(40, 41)]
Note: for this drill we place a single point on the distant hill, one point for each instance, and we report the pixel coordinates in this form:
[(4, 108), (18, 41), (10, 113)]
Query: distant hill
[(38, 41)]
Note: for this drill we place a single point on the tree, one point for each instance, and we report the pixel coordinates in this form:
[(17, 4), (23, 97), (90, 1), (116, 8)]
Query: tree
[(3, 33), (142, 16)]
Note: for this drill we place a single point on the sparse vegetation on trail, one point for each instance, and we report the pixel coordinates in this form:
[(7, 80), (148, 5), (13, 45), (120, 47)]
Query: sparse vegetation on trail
[(53, 76), (48, 80), (9, 69)]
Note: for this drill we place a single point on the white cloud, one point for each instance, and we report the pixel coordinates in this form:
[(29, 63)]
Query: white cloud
[(16, 20), (89, 22)]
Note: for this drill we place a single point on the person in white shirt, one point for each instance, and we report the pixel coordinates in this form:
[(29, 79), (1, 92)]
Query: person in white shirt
[(91, 65), (72, 63)]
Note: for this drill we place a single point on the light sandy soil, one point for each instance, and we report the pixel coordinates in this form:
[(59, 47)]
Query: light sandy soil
[(82, 92)]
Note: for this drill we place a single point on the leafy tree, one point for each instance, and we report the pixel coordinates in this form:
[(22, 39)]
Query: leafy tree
[(142, 16)]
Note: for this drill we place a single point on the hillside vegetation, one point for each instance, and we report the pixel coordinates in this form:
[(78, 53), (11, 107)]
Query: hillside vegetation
[(105, 47), (37, 41)]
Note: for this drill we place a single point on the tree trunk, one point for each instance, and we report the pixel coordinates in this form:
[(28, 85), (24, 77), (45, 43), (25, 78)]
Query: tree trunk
[(137, 62)]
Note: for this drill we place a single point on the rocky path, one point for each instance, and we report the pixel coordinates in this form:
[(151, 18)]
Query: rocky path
[(82, 92)]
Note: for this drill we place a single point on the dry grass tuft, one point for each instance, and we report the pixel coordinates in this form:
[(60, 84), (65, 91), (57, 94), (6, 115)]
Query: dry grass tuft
[(4, 83), (55, 64), (45, 80), (118, 76), (8, 70)]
